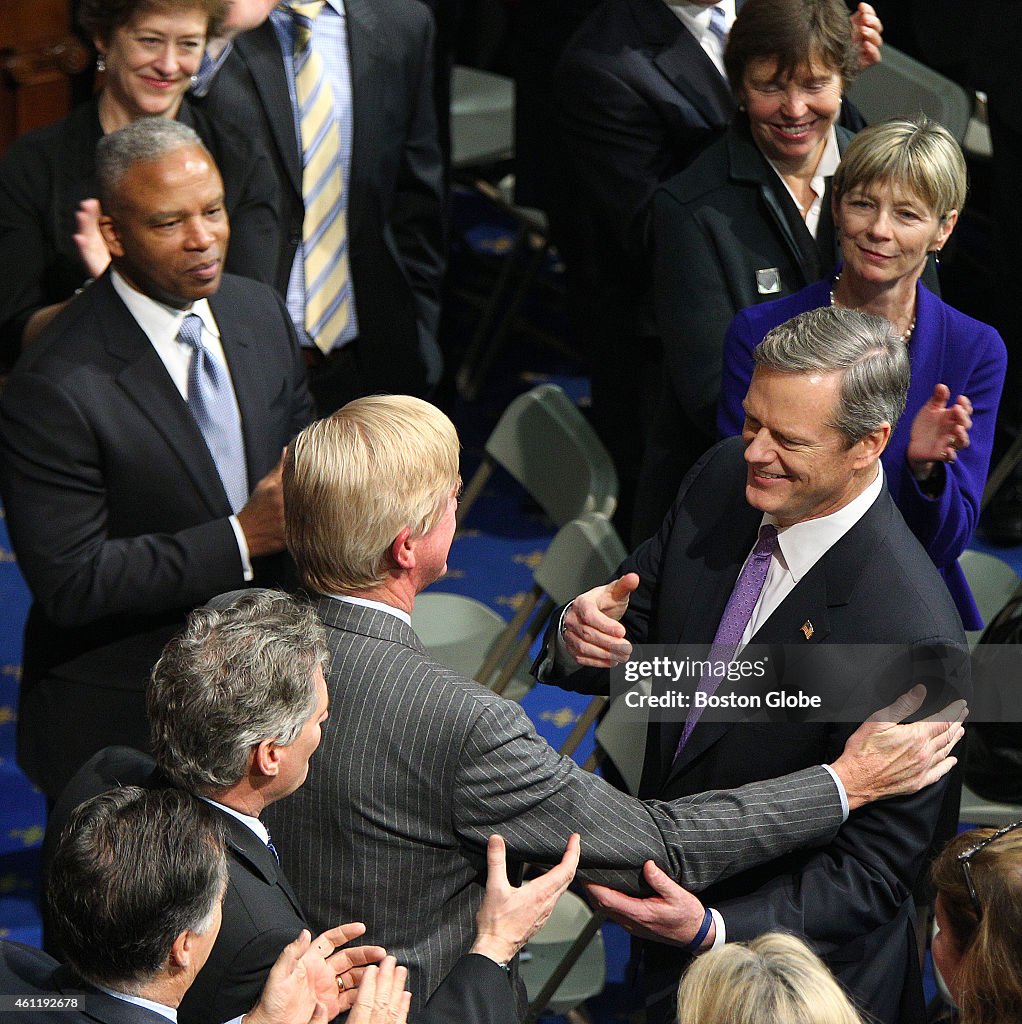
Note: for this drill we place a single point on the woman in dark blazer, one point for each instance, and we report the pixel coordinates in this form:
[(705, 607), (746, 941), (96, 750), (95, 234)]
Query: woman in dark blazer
[(728, 232), (150, 54), (896, 199)]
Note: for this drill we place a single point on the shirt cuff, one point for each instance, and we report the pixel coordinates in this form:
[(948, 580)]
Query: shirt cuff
[(721, 934), (840, 792), (558, 661), (246, 562)]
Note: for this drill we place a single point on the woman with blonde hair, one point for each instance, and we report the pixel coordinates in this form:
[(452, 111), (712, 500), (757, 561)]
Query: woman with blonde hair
[(978, 945), (774, 979), (896, 198)]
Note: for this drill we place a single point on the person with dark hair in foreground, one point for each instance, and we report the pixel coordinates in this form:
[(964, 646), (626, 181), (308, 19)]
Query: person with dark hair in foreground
[(236, 704), (135, 895)]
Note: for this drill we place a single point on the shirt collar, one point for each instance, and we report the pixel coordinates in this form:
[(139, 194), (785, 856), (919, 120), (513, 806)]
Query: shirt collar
[(164, 1011), (246, 819), (802, 545), (696, 17), (157, 319), (378, 605)]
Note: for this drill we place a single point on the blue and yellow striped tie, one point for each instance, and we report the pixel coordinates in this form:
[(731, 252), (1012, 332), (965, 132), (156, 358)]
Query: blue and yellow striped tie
[(325, 235)]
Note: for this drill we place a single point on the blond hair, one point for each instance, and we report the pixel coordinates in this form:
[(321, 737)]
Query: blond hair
[(914, 154), (353, 481), (775, 979)]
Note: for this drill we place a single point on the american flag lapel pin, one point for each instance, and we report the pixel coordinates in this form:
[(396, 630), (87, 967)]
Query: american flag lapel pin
[(807, 629)]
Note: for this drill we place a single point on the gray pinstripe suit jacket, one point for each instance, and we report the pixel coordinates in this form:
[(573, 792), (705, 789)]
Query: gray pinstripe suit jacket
[(418, 766)]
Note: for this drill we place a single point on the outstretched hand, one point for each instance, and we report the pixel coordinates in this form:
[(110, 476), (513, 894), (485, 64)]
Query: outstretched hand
[(592, 630), (939, 431), (672, 915), (508, 916), (882, 758)]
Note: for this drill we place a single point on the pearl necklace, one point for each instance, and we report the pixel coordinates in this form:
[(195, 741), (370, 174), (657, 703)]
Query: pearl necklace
[(901, 337)]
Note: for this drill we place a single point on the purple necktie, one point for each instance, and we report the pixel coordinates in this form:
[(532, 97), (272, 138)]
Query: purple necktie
[(736, 617)]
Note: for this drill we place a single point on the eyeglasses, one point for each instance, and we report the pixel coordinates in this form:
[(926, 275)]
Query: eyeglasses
[(965, 858)]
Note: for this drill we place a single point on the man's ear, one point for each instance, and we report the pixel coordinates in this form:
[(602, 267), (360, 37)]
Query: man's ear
[(181, 951), (872, 445), (402, 549), (112, 237), (266, 759)]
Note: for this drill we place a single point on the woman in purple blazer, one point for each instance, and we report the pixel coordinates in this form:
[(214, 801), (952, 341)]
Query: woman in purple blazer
[(897, 193)]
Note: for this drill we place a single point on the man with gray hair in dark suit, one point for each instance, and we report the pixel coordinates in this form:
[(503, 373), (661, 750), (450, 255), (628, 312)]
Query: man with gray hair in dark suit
[(236, 704), (419, 765)]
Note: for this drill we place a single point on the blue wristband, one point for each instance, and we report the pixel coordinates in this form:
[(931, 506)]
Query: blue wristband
[(693, 946)]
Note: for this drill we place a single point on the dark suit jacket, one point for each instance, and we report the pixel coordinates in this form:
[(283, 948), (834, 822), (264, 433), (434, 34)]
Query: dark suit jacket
[(715, 225), (30, 972), (261, 915), (116, 512), (47, 173), (394, 195), (851, 897), (947, 347), (419, 765)]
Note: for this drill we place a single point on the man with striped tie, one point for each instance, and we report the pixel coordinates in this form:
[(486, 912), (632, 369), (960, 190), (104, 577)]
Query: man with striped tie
[(339, 93), (140, 449)]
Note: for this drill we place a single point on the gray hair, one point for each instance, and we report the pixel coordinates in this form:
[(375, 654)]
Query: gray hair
[(236, 676), (135, 869), (147, 138), (872, 358)]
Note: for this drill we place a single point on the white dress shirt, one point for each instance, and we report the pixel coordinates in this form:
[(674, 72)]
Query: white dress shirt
[(800, 547), (696, 18), (161, 324), (825, 169)]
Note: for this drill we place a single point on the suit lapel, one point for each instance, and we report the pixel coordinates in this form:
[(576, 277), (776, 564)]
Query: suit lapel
[(364, 44), (245, 377), (248, 849), (144, 379), (260, 51), (727, 544), (684, 63)]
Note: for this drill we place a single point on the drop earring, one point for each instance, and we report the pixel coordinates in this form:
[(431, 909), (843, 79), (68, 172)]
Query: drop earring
[(100, 63)]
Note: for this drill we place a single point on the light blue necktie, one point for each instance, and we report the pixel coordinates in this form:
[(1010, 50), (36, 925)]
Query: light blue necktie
[(737, 614), (212, 403), (717, 18)]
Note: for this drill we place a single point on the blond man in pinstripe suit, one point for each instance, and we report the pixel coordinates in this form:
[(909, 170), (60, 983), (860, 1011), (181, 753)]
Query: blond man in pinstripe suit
[(419, 765)]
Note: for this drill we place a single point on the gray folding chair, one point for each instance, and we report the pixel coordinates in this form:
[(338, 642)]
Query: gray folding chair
[(469, 636), (548, 446), (899, 86), (992, 582)]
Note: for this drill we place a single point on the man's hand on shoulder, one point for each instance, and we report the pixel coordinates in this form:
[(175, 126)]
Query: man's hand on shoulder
[(883, 758), (591, 628)]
